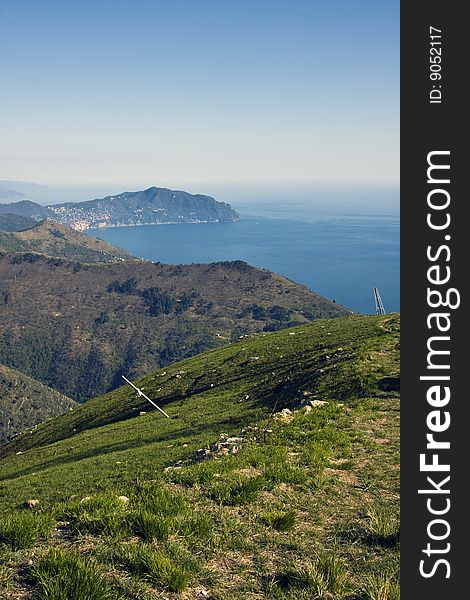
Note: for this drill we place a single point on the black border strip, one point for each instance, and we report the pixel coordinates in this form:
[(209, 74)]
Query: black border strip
[(428, 127)]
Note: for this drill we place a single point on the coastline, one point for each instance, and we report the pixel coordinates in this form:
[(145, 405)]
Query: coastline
[(217, 221)]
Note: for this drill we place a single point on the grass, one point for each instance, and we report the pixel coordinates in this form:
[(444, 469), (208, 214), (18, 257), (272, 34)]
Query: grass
[(149, 526), (161, 512), (203, 473), (153, 513), (241, 490), (20, 530), (288, 515), (64, 574), (379, 526), (158, 500), (233, 376), (197, 525), (156, 566), (284, 472), (323, 577), (103, 514), (6, 578), (280, 520), (382, 526), (381, 587)]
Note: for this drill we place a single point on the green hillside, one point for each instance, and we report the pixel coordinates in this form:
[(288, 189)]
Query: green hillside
[(25, 403), (76, 327), (275, 477)]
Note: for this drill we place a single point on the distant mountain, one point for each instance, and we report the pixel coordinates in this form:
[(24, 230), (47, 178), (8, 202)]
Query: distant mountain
[(11, 195), (151, 206), (26, 187), (17, 190), (25, 402), (12, 222), (147, 207), (53, 239), (27, 208)]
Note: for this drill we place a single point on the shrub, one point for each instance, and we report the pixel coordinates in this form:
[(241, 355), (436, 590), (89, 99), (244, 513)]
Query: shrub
[(158, 302), (259, 313), (203, 473), (66, 574), (126, 287), (20, 530), (279, 313)]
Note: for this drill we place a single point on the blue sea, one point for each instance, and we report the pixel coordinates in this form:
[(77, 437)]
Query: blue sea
[(342, 257)]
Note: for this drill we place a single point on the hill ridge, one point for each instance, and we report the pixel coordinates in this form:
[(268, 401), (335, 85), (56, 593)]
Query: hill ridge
[(325, 369), (25, 403), (56, 240), (276, 477), (154, 205), (83, 324), (10, 222)]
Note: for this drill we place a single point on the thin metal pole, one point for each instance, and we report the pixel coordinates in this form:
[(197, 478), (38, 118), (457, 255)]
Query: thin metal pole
[(379, 307), (141, 393)]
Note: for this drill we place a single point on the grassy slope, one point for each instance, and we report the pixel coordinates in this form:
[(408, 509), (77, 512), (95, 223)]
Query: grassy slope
[(335, 469), (53, 239), (25, 402), (63, 323)]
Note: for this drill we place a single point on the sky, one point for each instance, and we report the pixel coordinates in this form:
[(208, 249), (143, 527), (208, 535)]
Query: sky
[(188, 93)]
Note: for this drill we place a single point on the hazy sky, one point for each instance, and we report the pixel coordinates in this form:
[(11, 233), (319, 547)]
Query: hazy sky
[(151, 92)]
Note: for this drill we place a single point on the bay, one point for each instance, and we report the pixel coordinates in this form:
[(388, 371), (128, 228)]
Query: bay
[(340, 257)]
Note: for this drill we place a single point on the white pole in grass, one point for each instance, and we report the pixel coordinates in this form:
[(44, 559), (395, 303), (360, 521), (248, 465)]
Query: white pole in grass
[(141, 393)]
